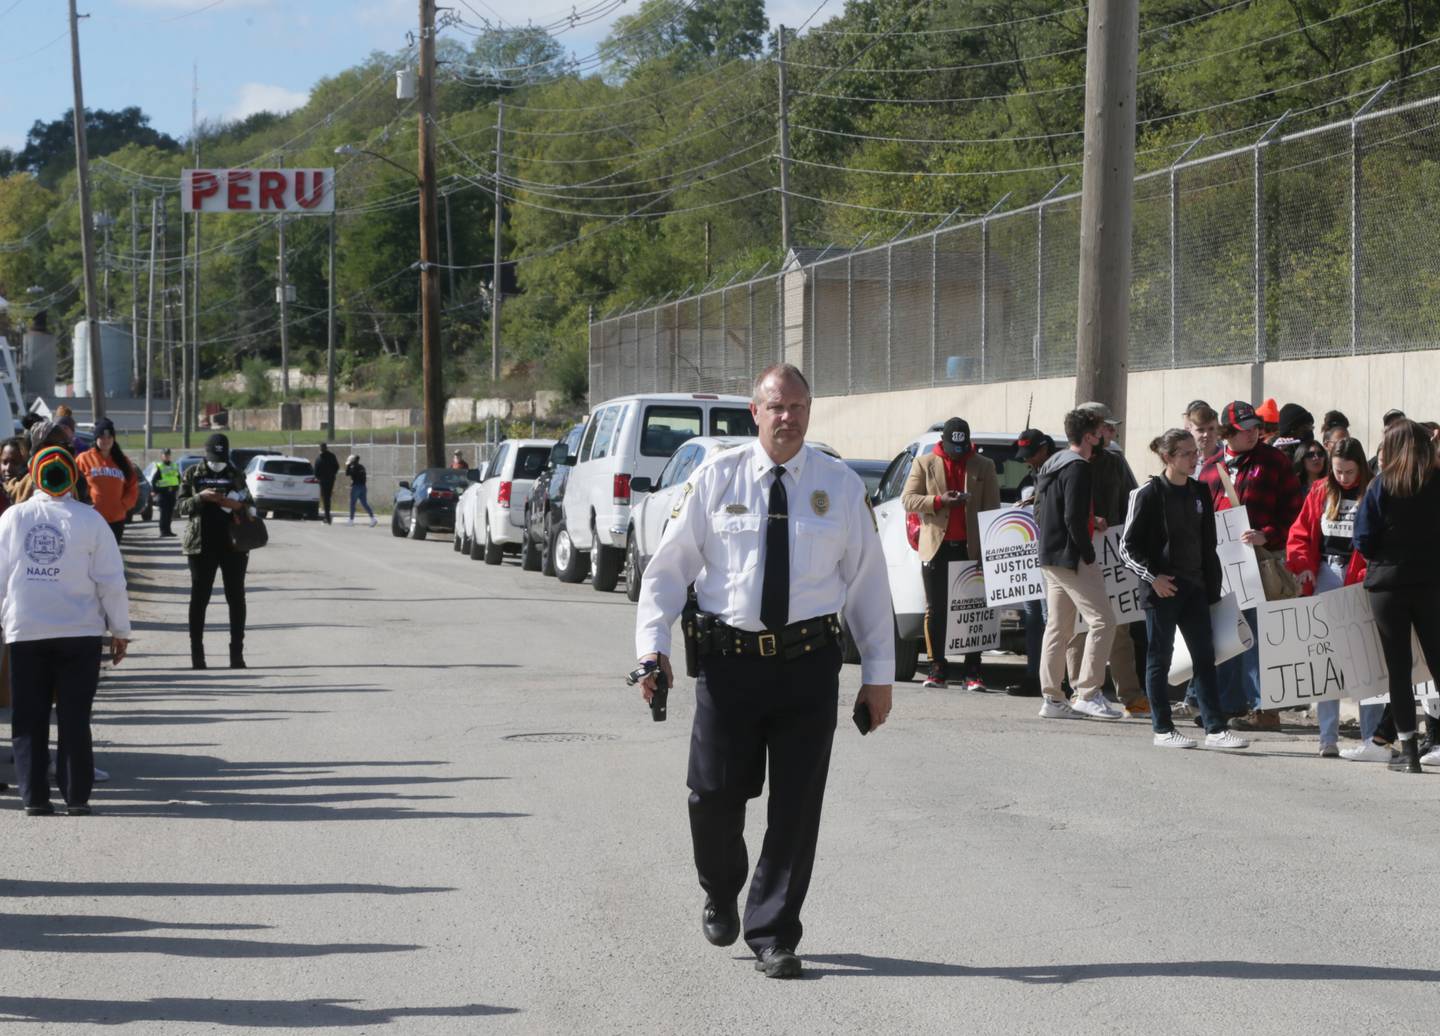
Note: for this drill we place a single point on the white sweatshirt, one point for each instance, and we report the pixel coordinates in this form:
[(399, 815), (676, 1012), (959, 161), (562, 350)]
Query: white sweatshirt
[(60, 572)]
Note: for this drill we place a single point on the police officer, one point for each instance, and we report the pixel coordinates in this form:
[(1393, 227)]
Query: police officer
[(776, 537), (166, 483)]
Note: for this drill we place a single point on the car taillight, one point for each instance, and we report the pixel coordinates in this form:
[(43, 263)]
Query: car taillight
[(312, 481), (264, 478), (503, 498), (622, 489), (441, 494)]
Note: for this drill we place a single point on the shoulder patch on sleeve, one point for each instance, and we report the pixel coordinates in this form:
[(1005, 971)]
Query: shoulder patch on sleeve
[(680, 503)]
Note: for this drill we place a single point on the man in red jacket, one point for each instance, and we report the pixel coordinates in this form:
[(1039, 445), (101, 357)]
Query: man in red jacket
[(1265, 484)]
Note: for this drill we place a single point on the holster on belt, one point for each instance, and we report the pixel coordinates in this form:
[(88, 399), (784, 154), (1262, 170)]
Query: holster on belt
[(792, 643), (690, 630)]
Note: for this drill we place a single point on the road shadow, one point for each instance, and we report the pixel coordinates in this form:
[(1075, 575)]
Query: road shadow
[(23, 888), (863, 965), (98, 934), (250, 1014)]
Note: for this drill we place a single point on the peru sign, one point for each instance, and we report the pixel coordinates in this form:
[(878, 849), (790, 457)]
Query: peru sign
[(257, 190)]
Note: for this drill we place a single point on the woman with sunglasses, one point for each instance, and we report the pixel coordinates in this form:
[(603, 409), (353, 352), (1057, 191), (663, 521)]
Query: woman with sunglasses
[(1321, 552), (1312, 464)]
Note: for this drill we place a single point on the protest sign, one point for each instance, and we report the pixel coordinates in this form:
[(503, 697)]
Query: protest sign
[(1010, 556), (969, 626), (1121, 584), (1232, 636), (1324, 647), (1239, 571)]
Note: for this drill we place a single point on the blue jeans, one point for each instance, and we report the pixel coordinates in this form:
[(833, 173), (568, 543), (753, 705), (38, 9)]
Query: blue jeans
[(1189, 612), (1331, 576), (357, 495), (1240, 677)]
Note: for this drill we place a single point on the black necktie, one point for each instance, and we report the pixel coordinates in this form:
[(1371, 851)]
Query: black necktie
[(775, 592)]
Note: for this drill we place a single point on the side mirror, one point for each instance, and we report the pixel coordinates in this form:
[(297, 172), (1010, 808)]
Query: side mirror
[(641, 484), (568, 460), (473, 475), (558, 453), (404, 485)]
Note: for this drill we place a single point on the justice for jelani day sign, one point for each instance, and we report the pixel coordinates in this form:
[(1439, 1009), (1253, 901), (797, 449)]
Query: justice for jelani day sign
[(1010, 556), (257, 190)]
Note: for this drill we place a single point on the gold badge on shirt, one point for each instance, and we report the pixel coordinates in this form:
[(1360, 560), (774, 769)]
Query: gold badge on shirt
[(820, 502)]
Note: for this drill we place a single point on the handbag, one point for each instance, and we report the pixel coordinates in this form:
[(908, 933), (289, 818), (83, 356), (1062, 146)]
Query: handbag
[(248, 533), (1276, 580)]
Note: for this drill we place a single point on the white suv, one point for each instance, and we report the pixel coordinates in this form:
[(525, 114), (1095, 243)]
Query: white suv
[(626, 437), (490, 517), (902, 561), (283, 485)]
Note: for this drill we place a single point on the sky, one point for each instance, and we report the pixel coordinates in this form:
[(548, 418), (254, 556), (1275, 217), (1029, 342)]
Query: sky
[(251, 55)]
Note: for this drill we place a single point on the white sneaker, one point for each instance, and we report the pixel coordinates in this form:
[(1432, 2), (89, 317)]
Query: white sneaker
[(349, 521), (1095, 708), (1226, 739), (374, 521), (1368, 752), (101, 776), (1431, 758), (1174, 739), (1053, 708)]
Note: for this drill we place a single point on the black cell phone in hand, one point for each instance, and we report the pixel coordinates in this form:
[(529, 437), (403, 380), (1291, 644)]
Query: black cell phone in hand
[(861, 716)]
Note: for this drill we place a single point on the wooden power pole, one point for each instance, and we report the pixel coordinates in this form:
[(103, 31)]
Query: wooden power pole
[(1102, 342), (87, 228), (431, 356), (497, 293), (784, 132)]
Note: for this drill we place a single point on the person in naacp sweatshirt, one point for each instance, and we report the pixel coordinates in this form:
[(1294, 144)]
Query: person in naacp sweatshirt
[(62, 587)]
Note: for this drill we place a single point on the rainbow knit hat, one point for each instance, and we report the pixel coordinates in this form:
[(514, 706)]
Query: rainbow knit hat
[(53, 471)]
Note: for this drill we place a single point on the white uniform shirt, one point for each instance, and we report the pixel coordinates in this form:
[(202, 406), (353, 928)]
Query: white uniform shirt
[(60, 572), (716, 539)]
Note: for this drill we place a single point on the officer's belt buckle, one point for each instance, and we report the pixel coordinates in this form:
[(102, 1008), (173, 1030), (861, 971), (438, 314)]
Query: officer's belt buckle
[(769, 646)]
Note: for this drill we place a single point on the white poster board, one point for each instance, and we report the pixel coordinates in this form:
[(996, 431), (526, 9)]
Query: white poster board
[(1122, 586), (1239, 570), (970, 625), (1010, 556), (1232, 636), (1324, 647)]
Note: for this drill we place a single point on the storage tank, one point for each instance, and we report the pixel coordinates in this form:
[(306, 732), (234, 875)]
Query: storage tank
[(38, 376), (115, 359)]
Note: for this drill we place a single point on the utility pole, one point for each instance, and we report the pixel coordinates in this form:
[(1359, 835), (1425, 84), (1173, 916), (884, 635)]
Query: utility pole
[(87, 231), (150, 329), (496, 281), (330, 339), (707, 250), (283, 293), (195, 271), (134, 296), (1102, 341), (449, 251), (185, 401), (432, 358), (784, 144)]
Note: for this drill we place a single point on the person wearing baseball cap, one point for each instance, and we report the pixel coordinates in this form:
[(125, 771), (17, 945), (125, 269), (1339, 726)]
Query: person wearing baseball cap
[(1262, 480), (63, 591), (211, 494), (948, 487)]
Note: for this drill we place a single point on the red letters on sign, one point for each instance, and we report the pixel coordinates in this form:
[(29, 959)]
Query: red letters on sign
[(317, 191), (238, 194), (272, 189), (203, 184)]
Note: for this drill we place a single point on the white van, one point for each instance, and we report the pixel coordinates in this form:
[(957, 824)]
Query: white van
[(626, 437)]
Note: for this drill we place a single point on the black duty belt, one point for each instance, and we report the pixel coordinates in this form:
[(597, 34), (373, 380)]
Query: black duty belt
[(795, 641)]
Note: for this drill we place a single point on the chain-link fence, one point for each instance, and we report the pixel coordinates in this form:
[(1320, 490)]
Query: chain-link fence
[(1321, 243)]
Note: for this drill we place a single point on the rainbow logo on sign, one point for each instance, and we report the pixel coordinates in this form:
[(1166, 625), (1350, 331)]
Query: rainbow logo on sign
[(1015, 529), (970, 585)]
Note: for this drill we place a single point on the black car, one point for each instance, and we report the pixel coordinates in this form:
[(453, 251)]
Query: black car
[(427, 502), (544, 516)]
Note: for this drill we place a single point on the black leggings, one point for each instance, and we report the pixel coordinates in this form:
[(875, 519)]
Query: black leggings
[(1396, 611), (231, 565)]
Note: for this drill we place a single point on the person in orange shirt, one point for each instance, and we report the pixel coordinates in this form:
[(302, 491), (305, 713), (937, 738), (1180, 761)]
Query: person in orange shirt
[(114, 486)]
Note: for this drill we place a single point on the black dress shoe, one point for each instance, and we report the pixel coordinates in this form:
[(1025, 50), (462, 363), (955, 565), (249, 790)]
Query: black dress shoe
[(778, 962), (78, 811), (1023, 689), (721, 924), (46, 810)]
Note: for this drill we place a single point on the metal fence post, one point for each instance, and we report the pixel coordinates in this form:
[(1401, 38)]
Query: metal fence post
[(934, 306), (1039, 284), (984, 292), (1174, 265), (889, 314), (750, 332), (655, 349), (724, 339), (1355, 288), (700, 344), (1261, 346), (850, 324)]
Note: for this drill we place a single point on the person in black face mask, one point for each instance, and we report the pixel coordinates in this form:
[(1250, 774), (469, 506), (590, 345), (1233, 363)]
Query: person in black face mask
[(211, 493)]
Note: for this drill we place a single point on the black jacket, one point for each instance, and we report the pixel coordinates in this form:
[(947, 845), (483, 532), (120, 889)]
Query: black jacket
[(1397, 536), (1063, 511), (1145, 546), (326, 467)]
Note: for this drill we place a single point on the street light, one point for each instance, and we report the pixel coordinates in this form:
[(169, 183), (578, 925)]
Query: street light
[(350, 151)]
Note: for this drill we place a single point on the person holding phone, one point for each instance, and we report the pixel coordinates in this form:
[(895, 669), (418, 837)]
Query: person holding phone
[(211, 495), (948, 486), (63, 590)]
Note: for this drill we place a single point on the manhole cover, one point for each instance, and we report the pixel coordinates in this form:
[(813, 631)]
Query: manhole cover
[(559, 736)]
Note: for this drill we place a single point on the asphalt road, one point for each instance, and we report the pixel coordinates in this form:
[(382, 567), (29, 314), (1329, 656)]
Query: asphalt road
[(432, 807)]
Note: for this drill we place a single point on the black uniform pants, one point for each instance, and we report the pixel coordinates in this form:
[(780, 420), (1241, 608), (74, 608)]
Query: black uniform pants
[(327, 487), (750, 711), (65, 670), (166, 499), (936, 574), (231, 565)]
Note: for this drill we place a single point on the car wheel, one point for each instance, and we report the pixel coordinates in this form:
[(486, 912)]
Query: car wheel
[(907, 658), (396, 529), (632, 567), (605, 563), (547, 556), (457, 542), (571, 565), (529, 553), (493, 552), (418, 531), (474, 548)]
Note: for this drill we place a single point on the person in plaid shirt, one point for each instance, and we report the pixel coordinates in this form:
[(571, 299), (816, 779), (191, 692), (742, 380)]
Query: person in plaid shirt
[(1265, 482)]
